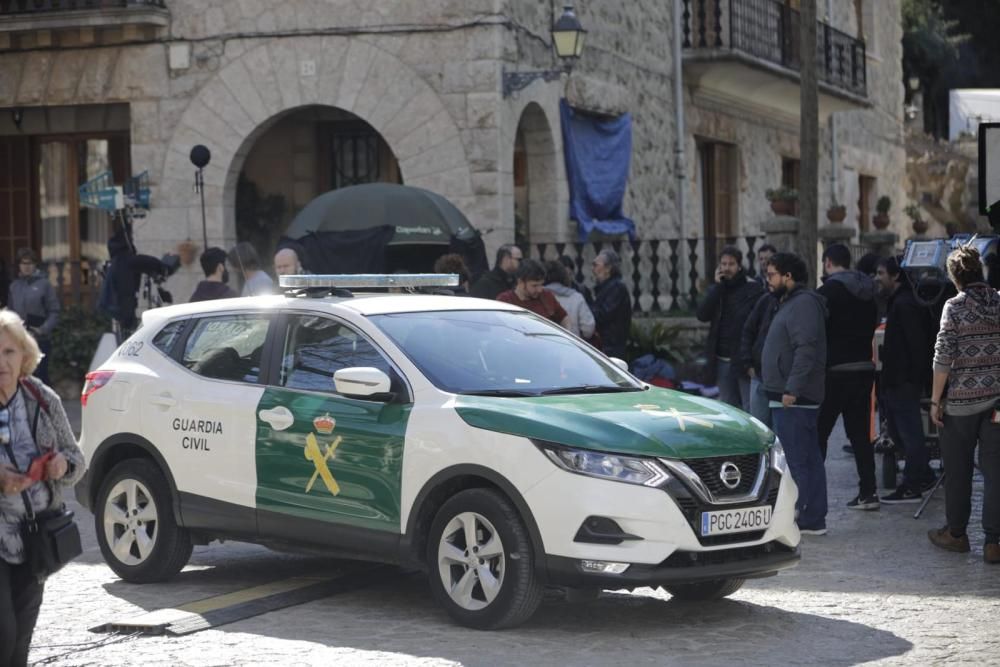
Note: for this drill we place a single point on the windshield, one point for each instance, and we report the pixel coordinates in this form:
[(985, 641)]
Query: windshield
[(501, 353)]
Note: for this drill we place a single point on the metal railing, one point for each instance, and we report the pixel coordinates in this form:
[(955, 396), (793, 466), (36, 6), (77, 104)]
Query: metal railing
[(43, 6), (769, 30), (663, 276), (77, 282)]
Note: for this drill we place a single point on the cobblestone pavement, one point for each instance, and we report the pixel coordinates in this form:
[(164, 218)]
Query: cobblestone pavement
[(873, 590)]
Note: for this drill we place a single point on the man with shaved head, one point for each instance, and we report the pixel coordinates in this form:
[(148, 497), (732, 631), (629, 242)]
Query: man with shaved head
[(287, 263)]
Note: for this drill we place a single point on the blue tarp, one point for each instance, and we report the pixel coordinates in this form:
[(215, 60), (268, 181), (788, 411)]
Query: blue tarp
[(598, 152)]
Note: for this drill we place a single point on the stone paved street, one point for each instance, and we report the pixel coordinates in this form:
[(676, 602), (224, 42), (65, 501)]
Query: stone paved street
[(873, 590)]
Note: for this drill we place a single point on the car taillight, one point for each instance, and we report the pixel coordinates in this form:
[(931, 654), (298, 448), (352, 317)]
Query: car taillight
[(94, 381)]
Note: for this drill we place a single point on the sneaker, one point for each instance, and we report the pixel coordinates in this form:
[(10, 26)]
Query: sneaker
[(902, 494), (942, 537), (868, 503), (991, 553), (819, 530), (929, 484)]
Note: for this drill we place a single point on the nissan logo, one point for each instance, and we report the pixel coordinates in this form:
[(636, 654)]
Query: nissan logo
[(730, 475)]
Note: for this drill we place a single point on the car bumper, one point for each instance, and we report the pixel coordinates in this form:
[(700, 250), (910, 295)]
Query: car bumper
[(681, 568)]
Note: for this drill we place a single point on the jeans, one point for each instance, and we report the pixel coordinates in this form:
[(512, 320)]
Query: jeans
[(796, 428), (20, 600), (759, 401), (732, 389), (849, 394), (959, 438), (902, 415)]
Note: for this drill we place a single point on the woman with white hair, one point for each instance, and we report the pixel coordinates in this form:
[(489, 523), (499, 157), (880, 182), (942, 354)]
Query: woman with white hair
[(33, 424), (612, 304)]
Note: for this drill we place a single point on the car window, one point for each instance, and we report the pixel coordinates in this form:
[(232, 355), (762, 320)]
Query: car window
[(227, 347), (168, 335), (489, 351), (315, 347)]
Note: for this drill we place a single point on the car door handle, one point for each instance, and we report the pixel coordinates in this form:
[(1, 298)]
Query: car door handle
[(163, 400), (278, 417)]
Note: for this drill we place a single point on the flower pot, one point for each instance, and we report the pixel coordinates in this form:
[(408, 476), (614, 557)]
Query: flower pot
[(920, 226), (836, 214), (783, 206), (881, 220)]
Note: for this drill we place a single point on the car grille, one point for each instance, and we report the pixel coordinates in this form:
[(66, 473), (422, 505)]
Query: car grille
[(708, 471), (685, 559), (692, 508)]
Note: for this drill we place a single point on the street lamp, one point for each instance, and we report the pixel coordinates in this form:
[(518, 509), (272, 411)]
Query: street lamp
[(200, 157), (567, 38)]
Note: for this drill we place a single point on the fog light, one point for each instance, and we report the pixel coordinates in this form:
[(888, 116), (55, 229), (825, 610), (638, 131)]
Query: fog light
[(602, 567)]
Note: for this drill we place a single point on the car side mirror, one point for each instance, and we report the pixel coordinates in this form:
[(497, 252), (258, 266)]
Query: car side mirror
[(363, 382), (620, 363)]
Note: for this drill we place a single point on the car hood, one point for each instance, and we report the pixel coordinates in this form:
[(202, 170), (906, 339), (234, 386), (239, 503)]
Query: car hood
[(656, 422)]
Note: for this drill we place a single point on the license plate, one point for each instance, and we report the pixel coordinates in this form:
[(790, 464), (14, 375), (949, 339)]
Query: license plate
[(723, 522)]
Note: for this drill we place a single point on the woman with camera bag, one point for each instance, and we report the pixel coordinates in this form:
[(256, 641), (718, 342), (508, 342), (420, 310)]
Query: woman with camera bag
[(39, 458)]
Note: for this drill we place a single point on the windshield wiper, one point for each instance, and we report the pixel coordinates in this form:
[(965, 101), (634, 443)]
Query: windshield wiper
[(588, 389), (499, 392)]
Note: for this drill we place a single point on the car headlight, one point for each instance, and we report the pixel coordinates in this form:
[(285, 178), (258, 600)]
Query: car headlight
[(615, 467), (778, 462)]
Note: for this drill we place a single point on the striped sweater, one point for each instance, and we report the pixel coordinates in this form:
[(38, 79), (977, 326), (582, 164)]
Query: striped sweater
[(968, 349)]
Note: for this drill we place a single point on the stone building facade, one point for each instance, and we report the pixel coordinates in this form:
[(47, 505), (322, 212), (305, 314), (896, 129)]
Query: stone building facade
[(296, 98)]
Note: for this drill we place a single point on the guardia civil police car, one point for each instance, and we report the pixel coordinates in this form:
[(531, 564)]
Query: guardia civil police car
[(469, 437)]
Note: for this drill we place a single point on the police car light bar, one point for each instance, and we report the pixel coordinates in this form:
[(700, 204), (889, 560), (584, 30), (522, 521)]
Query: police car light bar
[(369, 280)]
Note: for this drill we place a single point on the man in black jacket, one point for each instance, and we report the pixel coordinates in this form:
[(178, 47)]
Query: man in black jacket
[(612, 304), (906, 368), (727, 306), (501, 278), (752, 347), (850, 371)]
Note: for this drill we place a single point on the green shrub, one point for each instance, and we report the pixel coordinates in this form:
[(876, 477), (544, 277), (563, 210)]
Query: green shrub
[(74, 342), (656, 338)]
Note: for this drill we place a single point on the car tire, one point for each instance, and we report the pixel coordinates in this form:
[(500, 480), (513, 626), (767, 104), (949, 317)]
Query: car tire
[(134, 521), (715, 589), (458, 582)]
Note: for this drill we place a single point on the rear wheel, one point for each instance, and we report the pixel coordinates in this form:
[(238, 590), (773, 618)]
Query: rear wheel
[(135, 525), (481, 562), (715, 589)]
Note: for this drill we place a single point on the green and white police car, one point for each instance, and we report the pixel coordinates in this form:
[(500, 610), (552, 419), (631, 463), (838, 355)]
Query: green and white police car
[(468, 437)]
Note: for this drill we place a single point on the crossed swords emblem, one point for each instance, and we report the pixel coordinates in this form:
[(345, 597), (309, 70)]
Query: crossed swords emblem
[(657, 411), (319, 459)]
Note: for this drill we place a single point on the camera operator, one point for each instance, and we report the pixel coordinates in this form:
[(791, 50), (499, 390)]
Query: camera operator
[(124, 275)]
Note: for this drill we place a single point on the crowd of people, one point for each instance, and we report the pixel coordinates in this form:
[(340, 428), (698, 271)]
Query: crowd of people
[(798, 359)]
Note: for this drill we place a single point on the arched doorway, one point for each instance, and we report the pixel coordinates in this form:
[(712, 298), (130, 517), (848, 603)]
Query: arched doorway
[(303, 154), (535, 179)]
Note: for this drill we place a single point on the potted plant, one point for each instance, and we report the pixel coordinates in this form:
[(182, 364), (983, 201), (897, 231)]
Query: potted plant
[(836, 213), (881, 217), (920, 226), (782, 199)]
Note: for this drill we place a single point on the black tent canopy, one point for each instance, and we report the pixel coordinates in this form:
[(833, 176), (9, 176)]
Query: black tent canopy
[(381, 228)]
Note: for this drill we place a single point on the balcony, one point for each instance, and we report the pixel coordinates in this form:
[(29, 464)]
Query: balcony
[(45, 23), (748, 51)]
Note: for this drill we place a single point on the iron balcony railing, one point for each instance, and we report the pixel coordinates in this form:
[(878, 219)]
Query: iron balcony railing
[(44, 6), (663, 276), (769, 30)]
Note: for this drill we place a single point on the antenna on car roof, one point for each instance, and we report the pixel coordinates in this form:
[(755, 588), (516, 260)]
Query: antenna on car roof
[(340, 284)]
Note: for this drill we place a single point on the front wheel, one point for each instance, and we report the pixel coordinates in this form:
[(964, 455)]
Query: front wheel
[(135, 525), (481, 561), (715, 589)]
